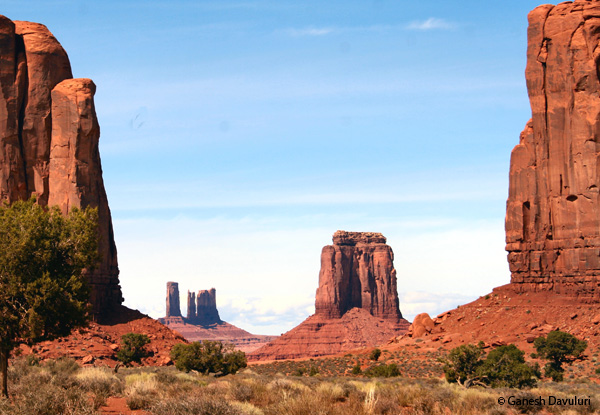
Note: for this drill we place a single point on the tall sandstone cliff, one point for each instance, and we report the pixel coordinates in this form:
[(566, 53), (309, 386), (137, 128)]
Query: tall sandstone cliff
[(553, 208), (356, 303), (49, 140)]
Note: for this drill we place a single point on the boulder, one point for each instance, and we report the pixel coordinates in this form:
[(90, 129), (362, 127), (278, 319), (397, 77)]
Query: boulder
[(421, 325)]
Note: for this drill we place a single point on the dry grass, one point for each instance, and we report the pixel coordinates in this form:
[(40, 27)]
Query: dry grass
[(62, 388)]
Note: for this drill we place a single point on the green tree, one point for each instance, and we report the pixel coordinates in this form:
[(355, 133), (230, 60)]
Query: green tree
[(558, 348), (505, 367), (208, 357), (133, 348), (43, 289), (462, 364)]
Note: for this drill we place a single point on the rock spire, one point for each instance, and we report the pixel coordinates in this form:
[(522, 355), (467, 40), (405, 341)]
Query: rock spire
[(173, 307)]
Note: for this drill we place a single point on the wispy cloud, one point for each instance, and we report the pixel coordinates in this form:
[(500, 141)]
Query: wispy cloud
[(433, 23), (309, 31)]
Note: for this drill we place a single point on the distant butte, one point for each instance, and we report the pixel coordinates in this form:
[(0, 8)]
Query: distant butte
[(203, 321), (356, 303)]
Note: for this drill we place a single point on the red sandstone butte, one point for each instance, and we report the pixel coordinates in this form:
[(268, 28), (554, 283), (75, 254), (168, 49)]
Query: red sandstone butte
[(356, 303), (357, 271), (553, 207), (49, 140), (203, 321)]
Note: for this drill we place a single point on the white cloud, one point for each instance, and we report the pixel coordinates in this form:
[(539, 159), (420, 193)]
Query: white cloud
[(432, 303), (433, 23), (310, 31)]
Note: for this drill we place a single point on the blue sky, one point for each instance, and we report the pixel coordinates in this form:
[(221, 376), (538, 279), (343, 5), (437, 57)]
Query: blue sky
[(237, 136)]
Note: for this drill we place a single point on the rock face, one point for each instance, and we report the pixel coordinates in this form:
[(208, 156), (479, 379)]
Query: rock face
[(191, 306), (206, 307), (553, 208), (357, 271), (49, 140), (356, 303), (173, 308)]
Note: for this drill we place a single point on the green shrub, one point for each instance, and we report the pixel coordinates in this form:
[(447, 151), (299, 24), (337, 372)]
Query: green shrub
[(356, 369), (383, 371), (462, 363), (505, 367), (375, 354), (208, 357), (558, 348), (133, 348)]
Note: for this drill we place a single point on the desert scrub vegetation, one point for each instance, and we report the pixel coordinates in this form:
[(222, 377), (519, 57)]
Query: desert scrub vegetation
[(62, 387), (208, 357), (133, 348), (409, 363), (50, 388), (504, 366)]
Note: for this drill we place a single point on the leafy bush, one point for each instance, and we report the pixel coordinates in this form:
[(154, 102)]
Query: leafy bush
[(133, 348), (208, 357), (462, 363), (505, 367), (383, 371), (356, 369), (558, 348)]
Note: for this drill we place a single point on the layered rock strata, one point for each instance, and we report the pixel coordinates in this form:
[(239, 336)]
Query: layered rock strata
[(356, 303), (173, 307), (49, 140), (553, 208), (357, 271)]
